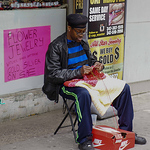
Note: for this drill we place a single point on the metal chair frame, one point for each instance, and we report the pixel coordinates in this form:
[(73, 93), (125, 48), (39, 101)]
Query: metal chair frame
[(71, 120)]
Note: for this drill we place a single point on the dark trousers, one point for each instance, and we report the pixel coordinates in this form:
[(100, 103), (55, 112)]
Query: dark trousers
[(123, 104)]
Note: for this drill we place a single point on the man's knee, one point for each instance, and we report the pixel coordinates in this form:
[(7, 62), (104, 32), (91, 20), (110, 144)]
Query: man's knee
[(84, 95), (127, 88)]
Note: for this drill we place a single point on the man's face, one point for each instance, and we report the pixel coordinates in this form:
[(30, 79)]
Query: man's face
[(77, 34)]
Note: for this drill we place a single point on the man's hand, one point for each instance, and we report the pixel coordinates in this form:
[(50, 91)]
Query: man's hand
[(99, 66), (86, 69)]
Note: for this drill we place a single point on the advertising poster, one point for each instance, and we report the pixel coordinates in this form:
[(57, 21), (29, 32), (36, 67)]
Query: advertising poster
[(106, 34), (78, 6), (24, 52)]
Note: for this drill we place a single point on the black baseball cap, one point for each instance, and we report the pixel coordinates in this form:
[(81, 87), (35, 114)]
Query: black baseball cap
[(77, 20)]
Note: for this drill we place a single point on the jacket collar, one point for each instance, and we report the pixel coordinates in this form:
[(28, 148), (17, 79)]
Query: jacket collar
[(83, 43), (65, 43)]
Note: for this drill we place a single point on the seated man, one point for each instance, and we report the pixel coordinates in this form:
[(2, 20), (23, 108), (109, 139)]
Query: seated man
[(69, 57)]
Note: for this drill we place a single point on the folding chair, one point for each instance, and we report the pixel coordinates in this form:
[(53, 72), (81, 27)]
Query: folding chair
[(70, 116)]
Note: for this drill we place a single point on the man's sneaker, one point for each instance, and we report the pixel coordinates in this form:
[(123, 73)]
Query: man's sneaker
[(87, 145), (139, 140)]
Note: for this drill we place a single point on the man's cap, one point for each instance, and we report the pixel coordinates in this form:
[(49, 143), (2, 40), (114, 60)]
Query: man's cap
[(77, 20)]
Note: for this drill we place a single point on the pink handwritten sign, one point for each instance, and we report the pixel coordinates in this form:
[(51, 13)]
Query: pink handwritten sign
[(24, 51)]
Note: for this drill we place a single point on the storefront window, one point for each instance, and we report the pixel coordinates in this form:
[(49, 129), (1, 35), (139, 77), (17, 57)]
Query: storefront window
[(30, 4)]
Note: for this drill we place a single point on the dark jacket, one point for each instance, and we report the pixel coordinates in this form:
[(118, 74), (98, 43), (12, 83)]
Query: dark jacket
[(56, 62)]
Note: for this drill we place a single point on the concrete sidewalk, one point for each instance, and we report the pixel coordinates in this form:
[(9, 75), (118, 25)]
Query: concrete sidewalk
[(36, 132)]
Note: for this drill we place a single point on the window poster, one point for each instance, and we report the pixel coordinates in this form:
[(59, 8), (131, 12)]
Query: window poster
[(106, 34), (78, 6), (27, 4), (24, 51)]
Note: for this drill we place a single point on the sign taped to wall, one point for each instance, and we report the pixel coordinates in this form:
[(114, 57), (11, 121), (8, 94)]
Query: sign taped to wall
[(24, 51), (110, 52), (106, 27)]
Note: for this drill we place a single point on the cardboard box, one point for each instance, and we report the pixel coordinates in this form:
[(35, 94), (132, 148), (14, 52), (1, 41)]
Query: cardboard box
[(108, 138)]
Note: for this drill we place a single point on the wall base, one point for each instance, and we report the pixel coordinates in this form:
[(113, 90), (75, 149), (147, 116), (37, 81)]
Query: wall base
[(32, 102), (140, 87), (27, 103)]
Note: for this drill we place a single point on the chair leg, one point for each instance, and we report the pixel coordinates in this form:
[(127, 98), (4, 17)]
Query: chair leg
[(68, 113), (75, 122), (61, 123)]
